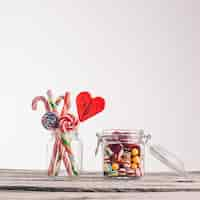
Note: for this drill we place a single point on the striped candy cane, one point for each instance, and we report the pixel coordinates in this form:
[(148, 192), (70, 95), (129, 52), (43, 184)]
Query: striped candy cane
[(65, 158), (40, 99), (66, 105), (67, 164), (53, 159), (59, 100)]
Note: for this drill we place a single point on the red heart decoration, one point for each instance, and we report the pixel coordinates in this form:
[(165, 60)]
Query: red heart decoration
[(87, 106)]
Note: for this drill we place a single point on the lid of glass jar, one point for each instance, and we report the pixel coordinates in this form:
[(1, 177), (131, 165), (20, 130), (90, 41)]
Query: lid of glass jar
[(169, 159)]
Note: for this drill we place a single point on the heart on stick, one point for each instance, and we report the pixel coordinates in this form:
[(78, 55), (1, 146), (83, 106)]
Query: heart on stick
[(87, 106)]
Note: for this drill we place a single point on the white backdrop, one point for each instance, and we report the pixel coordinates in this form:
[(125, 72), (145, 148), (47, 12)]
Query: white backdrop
[(142, 56)]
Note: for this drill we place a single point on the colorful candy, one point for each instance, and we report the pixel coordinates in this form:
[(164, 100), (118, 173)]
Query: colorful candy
[(107, 159), (115, 148), (107, 168), (127, 164), (122, 172), (134, 166), (136, 159), (115, 166), (131, 172), (122, 158), (134, 151), (113, 173)]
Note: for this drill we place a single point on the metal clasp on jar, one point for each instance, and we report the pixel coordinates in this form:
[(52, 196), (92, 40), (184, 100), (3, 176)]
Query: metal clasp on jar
[(99, 140), (146, 138)]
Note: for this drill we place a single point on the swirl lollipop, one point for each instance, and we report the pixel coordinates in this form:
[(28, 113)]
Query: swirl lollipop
[(68, 123)]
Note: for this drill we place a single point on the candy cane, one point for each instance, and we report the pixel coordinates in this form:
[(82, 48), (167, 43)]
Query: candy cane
[(58, 158), (58, 163), (53, 159), (66, 161), (58, 100), (73, 163), (66, 105), (42, 99), (67, 164), (51, 102), (59, 150), (64, 142), (67, 146)]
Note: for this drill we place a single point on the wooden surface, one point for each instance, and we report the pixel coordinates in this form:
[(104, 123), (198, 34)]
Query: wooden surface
[(27, 184)]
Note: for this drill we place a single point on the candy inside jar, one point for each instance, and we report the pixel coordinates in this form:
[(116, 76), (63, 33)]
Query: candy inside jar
[(123, 153)]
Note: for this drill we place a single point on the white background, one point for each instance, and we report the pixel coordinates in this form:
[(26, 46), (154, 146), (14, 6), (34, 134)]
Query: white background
[(141, 56)]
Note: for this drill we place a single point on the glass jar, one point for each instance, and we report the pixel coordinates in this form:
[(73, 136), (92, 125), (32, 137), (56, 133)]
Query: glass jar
[(64, 154), (123, 152)]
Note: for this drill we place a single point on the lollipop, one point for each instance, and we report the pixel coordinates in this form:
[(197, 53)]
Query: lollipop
[(49, 120), (68, 123)]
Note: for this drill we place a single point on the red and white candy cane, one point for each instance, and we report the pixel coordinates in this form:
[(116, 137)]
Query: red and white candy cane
[(40, 99), (67, 164), (66, 105), (53, 159), (58, 161), (59, 150), (68, 123), (65, 157), (59, 100)]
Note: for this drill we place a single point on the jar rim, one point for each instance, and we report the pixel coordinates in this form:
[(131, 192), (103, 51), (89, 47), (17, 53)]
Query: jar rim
[(138, 133)]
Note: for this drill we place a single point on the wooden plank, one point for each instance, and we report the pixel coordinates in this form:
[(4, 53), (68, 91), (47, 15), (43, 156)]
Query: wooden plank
[(8, 195), (28, 180)]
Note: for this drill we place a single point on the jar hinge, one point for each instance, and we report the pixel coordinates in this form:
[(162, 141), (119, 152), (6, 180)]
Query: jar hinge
[(99, 140)]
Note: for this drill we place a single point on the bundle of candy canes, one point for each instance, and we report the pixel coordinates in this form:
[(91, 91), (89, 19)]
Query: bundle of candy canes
[(63, 124)]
